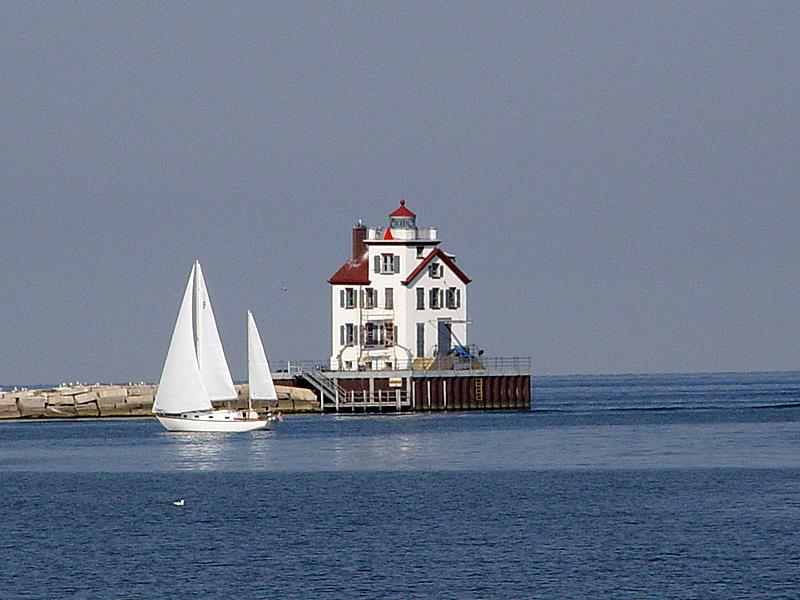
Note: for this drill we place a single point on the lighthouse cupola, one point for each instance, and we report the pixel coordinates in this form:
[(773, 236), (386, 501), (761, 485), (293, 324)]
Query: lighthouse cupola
[(402, 218)]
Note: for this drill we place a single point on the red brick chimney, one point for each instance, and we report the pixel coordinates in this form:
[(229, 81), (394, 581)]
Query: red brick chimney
[(359, 235)]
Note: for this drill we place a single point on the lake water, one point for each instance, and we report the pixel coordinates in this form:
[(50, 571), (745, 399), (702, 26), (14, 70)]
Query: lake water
[(669, 486)]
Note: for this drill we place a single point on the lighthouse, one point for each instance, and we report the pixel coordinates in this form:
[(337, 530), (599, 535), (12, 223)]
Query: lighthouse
[(399, 301)]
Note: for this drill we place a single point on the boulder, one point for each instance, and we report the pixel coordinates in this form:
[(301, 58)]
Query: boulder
[(88, 409), (113, 410), (85, 398), (295, 393), (58, 400), (111, 391), (141, 390), (140, 402), (31, 406), (74, 390), (59, 411), (8, 407)]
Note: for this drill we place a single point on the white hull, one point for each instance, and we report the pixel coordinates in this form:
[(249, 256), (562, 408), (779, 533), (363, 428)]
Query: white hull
[(222, 421)]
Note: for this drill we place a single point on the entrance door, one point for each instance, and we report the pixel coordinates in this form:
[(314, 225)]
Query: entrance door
[(445, 336)]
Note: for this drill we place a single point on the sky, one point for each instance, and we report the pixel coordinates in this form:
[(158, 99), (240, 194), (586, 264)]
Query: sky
[(619, 179)]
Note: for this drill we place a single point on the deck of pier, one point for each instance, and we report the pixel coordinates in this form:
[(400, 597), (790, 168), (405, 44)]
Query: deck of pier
[(431, 385)]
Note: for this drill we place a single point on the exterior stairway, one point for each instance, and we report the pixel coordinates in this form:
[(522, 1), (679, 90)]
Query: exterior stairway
[(329, 392)]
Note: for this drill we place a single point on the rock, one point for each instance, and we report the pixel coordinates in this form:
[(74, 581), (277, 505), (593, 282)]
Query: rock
[(59, 411), (75, 390), (295, 393), (111, 391), (8, 407), (88, 409), (141, 390), (140, 402), (57, 400), (31, 406), (113, 410), (85, 398)]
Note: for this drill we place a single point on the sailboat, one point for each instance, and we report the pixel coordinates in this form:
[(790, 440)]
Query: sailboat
[(196, 371)]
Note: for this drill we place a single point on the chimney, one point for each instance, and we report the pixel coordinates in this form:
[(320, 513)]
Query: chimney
[(359, 235)]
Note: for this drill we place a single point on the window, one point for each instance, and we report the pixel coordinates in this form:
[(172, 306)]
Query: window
[(388, 300), (347, 334), (435, 298), (420, 298), (420, 251), (435, 270), (347, 298), (378, 334), (371, 334), (453, 298), (387, 263), (370, 298)]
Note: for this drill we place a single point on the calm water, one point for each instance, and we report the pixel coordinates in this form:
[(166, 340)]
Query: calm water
[(621, 487)]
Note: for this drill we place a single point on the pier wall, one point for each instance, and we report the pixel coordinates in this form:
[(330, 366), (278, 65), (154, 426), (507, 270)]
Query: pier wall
[(435, 390), (128, 401)]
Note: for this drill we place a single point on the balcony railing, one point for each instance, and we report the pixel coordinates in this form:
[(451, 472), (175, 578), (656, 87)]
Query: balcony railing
[(495, 364)]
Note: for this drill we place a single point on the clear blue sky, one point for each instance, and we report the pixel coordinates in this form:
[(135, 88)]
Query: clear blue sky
[(619, 179)]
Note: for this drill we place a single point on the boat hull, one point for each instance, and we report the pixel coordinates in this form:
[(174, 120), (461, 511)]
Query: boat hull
[(218, 421)]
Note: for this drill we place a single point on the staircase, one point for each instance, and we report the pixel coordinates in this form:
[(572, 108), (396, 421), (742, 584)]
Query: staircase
[(329, 392)]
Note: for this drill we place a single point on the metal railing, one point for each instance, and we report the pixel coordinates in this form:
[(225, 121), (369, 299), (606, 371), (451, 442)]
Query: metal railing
[(498, 364), (395, 399)]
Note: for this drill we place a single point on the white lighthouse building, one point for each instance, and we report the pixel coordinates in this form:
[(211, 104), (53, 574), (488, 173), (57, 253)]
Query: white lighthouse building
[(398, 301)]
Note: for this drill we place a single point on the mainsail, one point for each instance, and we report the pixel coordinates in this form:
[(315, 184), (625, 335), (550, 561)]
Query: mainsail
[(258, 373), (181, 386), (210, 355)]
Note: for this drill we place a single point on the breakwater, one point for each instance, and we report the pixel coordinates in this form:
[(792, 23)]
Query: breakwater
[(128, 401)]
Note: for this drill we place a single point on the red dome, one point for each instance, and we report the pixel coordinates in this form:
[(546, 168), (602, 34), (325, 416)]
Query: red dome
[(402, 211)]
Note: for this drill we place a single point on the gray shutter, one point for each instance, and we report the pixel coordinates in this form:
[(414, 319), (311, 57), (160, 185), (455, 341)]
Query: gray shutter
[(377, 262), (341, 335), (396, 262), (341, 298), (458, 298)]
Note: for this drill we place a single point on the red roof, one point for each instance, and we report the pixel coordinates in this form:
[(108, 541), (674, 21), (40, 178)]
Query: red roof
[(402, 211), (437, 252), (353, 272)]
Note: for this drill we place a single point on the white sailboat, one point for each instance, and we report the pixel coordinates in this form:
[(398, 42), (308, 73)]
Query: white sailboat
[(196, 372)]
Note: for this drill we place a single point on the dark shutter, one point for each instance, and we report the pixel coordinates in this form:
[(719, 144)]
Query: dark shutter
[(377, 262), (396, 261)]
